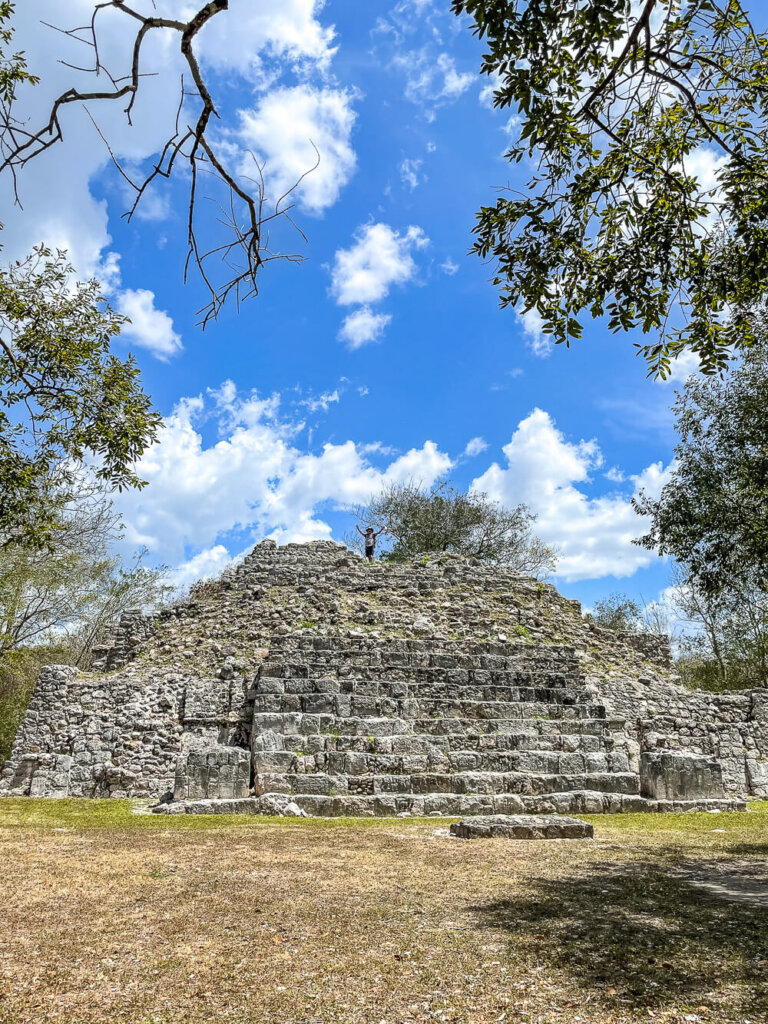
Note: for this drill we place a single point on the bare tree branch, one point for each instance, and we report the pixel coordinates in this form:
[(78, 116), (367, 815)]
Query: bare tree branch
[(248, 247)]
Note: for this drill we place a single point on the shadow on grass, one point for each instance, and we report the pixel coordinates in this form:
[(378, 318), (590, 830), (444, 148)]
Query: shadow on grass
[(641, 936)]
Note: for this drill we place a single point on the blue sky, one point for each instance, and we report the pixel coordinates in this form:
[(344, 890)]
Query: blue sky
[(383, 355)]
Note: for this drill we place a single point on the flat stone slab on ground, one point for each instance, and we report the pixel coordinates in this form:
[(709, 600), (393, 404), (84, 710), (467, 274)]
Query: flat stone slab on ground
[(522, 826)]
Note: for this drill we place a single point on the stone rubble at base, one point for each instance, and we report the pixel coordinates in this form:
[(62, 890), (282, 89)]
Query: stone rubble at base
[(306, 681)]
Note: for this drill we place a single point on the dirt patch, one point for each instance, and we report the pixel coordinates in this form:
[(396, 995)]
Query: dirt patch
[(121, 919)]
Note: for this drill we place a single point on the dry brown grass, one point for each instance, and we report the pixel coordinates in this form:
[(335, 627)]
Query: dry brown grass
[(106, 917)]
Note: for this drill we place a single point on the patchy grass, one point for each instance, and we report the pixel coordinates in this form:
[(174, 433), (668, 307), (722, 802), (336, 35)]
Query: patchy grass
[(107, 916)]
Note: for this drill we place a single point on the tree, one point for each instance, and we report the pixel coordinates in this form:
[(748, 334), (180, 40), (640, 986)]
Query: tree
[(618, 613), (57, 602), (64, 397), (646, 124), (725, 641), (443, 519), (193, 151), (711, 514), (70, 593), (13, 68)]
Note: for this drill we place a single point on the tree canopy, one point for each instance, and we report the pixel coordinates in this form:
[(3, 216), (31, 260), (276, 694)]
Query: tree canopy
[(64, 397), (711, 514), (645, 128), (443, 519), (617, 612)]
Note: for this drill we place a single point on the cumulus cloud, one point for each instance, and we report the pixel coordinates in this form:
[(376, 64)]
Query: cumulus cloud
[(202, 566), (289, 129), (149, 328), (379, 258), (254, 32), (363, 326), (449, 267), (594, 534), (241, 41), (254, 477), (682, 367)]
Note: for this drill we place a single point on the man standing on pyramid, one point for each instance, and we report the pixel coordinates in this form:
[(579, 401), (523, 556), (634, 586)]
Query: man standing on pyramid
[(370, 540)]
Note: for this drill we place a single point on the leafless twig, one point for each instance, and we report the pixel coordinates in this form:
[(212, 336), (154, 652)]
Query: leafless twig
[(244, 213)]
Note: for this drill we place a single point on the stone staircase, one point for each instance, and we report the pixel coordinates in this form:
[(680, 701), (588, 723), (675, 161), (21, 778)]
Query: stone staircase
[(350, 726)]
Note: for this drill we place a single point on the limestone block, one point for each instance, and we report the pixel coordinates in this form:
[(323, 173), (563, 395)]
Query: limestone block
[(214, 773), (665, 775), (757, 777), (522, 826)]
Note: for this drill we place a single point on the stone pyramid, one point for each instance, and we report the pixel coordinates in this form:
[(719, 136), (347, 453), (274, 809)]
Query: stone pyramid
[(307, 681)]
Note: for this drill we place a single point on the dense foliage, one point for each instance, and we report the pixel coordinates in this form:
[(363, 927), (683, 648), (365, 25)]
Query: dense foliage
[(645, 129), (711, 515), (64, 397), (441, 519)]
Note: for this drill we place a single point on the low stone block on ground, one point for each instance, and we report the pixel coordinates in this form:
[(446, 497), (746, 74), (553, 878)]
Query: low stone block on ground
[(522, 826)]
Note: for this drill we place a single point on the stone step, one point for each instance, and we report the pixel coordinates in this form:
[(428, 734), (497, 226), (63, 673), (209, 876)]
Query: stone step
[(422, 744), (337, 762), (408, 708), (399, 690), (468, 783), (301, 724), (458, 805), (419, 667)]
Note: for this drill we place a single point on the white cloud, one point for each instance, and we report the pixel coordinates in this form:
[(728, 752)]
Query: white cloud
[(410, 172), (206, 564), (149, 328), (283, 130), (533, 328), (254, 477), (487, 94), (240, 39), (705, 165), (432, 79), (449, 267), (379, 258), (681, 368), (475, 446), (321, 403), (594, 534), (363, 326)]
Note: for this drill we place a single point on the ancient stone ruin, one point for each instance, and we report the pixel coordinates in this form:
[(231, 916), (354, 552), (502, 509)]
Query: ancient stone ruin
[(308, 681)]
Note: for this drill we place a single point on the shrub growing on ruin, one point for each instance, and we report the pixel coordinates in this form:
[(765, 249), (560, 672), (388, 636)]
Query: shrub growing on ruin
[(439, 519)]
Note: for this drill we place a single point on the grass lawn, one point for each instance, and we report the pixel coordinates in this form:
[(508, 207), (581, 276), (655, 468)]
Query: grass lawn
[(108, 916)]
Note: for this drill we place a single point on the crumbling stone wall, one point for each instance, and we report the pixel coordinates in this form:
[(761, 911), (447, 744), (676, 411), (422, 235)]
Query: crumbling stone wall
[(104, 735), (733, 727)]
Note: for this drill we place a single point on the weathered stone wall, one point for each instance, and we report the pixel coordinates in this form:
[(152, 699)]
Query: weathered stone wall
[(733, 727), (86, 735), (121, 645)]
